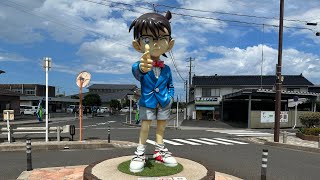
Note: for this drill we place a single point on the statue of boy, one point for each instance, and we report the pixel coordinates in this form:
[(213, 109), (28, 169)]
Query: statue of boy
[(152, 37)]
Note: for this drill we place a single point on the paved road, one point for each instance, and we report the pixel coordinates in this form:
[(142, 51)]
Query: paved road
[(219, 151)]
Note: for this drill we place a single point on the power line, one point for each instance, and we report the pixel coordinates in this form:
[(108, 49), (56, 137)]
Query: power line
[(217, 19), (233, 14), (175, 66), (236, 21)]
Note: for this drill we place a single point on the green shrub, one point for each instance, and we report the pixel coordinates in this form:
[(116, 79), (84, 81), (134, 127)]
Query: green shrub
[(311, 131), (302, 130), (310, 119)]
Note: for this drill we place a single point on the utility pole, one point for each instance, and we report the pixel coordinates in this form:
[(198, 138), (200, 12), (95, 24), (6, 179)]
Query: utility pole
[(190, 70), (186, 85), (279, 77)]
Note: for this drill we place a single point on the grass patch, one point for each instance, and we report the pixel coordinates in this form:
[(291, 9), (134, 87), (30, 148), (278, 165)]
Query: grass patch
[(151, 169)]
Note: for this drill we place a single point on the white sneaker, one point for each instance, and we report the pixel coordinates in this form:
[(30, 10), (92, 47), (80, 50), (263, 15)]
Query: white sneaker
[(139, 160), (162, 155)]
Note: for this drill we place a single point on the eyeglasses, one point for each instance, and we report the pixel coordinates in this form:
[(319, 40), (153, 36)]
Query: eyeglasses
[(148, 39)]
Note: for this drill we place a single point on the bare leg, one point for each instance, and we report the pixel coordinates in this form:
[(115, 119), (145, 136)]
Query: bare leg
[(144, 131), (161, 125)]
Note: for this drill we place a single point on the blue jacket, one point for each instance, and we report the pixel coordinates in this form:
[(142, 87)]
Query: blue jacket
[(153, 90)]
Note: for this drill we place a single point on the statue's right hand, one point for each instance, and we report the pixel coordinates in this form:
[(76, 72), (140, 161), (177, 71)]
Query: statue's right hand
[(146, 61)]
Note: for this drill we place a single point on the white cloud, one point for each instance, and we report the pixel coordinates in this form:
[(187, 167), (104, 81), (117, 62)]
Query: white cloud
[(108, 56), (11, 57), (236, 61)]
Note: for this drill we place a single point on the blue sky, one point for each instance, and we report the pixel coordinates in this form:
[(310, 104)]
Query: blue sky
[(92, 35)]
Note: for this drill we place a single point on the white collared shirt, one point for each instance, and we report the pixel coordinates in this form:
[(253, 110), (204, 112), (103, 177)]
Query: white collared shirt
[(156, 71)]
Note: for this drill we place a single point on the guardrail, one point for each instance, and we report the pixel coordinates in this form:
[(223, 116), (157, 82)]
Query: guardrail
[(35, 130)]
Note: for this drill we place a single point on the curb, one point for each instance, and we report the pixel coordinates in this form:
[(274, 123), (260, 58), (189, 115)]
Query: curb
[(290, 146), (138, 125), (63, 145)]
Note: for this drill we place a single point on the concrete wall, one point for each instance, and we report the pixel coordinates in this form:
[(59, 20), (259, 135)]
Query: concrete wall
[(256, 120)]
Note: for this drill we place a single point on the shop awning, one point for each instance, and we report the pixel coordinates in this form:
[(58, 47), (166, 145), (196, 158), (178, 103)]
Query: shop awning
[(205, 108)]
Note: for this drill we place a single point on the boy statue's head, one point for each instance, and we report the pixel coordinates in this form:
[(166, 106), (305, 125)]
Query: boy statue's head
[(155, 30)]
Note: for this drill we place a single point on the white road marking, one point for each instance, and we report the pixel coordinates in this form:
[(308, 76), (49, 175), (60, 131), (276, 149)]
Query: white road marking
[(151, 142), (171, 142), (187, 142), (216, 141), (201, 141), (232, 141)]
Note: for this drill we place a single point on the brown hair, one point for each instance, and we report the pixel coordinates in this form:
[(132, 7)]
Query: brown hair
[(153, 21)]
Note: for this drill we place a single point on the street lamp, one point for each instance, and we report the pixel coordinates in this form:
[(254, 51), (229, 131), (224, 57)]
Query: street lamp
[(47, 66), (313, 24)]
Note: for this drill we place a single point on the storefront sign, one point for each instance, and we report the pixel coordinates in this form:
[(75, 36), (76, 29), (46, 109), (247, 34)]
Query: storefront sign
[(269, 116), (204, 99)]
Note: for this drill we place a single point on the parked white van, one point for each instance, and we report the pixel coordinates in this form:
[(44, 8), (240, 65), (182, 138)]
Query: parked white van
[(30, 110)]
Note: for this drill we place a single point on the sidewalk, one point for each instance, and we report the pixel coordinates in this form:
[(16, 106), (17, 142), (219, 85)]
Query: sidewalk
[(293, 142), (36, 121)]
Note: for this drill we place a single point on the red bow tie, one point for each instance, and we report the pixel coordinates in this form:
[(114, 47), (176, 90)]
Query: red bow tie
[(158, 64)]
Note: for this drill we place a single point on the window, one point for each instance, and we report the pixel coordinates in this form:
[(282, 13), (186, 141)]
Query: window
[(206, 92), (17, 90), (30, 92), (215, 92), (293, 89)]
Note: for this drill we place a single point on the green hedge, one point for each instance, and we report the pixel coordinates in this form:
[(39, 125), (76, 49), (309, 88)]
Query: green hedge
[(310, 131), (310, 119)]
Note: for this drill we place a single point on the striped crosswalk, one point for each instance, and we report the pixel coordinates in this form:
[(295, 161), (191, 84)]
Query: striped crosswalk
[(242, 133), (199, 141)]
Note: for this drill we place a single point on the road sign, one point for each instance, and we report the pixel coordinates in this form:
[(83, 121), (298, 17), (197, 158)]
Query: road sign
[(8, 115), (85, 77)]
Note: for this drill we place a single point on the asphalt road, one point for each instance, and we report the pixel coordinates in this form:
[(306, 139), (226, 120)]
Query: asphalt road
[(242, 160)]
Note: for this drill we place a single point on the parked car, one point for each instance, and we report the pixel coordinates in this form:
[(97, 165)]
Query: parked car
[(30, 110), (73, 109), (125, 109), (103, 110)]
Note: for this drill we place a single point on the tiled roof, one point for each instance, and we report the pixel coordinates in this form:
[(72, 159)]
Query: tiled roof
[(112, 86), (249, 80), (107, 97)]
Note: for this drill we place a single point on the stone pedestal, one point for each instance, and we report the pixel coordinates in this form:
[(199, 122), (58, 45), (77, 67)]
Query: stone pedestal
[(108, 169)]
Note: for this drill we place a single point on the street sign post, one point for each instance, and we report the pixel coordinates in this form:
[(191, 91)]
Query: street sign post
[(8, 115), (295, 99), (82, 81)]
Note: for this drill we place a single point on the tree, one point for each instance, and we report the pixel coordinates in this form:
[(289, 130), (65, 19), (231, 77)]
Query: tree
[(126, 103), (115, 104), (92, 100), (75, 97)]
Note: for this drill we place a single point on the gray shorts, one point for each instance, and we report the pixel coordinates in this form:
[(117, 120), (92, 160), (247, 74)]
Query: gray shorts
[(157, 113)]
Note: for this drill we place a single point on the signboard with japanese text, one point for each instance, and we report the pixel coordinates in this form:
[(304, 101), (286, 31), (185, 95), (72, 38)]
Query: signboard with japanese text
[(269, 116), (8, 115)]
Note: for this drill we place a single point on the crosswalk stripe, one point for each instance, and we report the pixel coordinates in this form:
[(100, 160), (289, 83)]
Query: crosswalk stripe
[(151, 142), (171, 142), (243, 135), (227, 140), (248, 133), (187, 142), (216, 141), (204, 142), (228, 131)]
